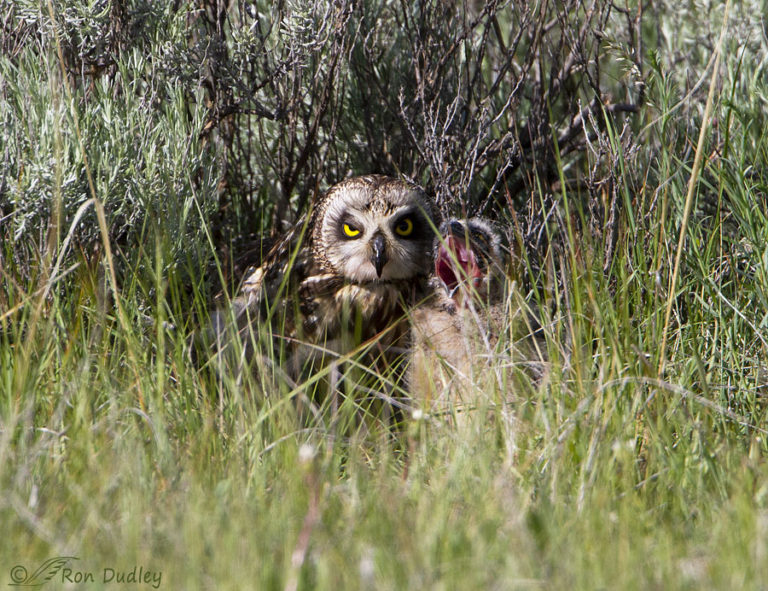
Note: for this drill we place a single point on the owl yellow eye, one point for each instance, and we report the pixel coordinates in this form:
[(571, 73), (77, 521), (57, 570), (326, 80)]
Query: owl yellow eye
[(350, 231), (404, 227)]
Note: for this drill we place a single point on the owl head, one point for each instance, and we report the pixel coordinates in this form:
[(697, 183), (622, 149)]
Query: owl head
[(468, 259), (374, 228)]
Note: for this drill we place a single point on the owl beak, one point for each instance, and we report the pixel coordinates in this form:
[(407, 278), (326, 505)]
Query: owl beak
[(379, 255)]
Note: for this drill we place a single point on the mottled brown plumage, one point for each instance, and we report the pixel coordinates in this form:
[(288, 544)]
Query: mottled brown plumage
[(342, 278)]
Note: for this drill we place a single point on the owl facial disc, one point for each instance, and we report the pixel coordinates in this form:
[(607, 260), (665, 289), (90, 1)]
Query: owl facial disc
[(374, 228)]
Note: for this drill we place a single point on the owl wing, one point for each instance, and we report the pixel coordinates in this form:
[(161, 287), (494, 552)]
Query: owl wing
[(284, 266), (262, 293)]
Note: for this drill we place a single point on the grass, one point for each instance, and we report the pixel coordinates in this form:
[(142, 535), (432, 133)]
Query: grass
[(117, 450)]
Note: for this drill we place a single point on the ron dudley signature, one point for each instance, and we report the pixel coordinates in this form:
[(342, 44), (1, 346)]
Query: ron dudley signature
[(59, 569)]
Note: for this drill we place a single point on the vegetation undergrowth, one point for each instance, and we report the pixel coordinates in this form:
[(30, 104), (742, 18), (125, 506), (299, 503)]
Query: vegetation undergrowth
[(120, 450)]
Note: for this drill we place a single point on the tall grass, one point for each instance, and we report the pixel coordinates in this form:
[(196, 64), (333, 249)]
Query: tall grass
[(117, 449)]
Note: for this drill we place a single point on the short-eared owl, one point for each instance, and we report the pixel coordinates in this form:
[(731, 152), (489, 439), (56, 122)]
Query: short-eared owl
[(344, 278), (470, 334)]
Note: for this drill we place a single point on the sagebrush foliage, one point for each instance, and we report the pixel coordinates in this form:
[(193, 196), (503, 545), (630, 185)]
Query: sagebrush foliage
[(235, 114)]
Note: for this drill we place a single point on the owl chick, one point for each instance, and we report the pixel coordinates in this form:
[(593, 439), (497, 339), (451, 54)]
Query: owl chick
[(458, 349), (342, 280)]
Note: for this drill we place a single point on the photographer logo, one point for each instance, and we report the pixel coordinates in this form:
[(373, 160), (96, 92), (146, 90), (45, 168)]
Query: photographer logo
[(60, 569)]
